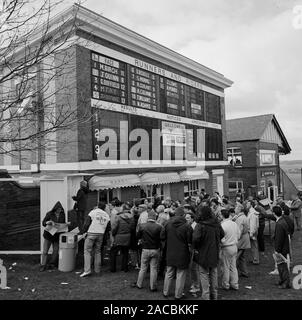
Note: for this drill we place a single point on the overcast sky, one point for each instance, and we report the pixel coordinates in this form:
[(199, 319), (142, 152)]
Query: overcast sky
[(251, 42)]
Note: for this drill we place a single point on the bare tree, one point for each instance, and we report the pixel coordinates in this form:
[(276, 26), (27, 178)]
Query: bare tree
[(36, 64)]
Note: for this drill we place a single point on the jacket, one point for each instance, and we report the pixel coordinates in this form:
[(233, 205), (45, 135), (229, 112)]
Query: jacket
[(206, 241), (253, 220), (51, 216), (262, 214), (243, 224), (150, 234), (178, 236), (290, 224), (296, 208), (281, 239), (123, 227), (81, 199), (231, 233), (285, 208)]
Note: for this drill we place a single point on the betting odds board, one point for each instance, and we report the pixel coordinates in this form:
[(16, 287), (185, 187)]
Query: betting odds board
[(122, 83), (108, 79), (143, 89)]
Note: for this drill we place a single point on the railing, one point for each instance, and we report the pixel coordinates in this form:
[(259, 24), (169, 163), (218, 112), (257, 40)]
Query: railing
[(288, 185)]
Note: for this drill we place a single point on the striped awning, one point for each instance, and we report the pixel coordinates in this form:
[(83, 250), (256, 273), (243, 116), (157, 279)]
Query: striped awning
[(193, 174), (159, 178), (111, 182)]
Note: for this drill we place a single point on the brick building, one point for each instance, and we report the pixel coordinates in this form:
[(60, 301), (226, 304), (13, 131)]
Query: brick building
[(254, 145), (120, 81)]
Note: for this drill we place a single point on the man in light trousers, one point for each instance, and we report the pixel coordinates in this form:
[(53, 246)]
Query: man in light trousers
[(149, 233), (178, 234), (253, 219), (229, 252), (96, 225)]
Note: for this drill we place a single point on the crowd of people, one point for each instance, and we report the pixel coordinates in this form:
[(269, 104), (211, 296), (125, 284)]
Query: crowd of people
[(201, 239)]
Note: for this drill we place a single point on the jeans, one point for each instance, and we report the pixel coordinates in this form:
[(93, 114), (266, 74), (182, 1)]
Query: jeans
[(195, 278), (260, 238), (113, 253), (80, 219), (180, 281), (284, 274), (297, 219), (93, 241), (149, 256), (241, 262), (209, 283), (229, 269), (55, 252), (162, 263), (254, 251)]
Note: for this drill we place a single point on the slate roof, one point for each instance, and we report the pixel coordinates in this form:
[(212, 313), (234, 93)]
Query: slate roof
[(252, 128)]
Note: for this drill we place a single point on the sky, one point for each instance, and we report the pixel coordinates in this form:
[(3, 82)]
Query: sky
[(254, 43)]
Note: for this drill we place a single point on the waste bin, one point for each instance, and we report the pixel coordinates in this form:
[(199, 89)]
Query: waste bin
[(67, 251)]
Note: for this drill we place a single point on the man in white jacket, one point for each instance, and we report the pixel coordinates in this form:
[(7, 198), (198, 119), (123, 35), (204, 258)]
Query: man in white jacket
[(96, 225), (253, 219), (229, 251)]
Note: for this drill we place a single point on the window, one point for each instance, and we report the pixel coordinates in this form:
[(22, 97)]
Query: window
[(105, 196), (267, 157), (104, 119), (149, 192), (190, 187), (213, 113), (234, 156), (196, 103), (235, 185), (213, 144), (172, 97)]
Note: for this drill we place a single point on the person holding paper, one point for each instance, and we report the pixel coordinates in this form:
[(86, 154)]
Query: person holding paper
[(282, 248), (51, 235)]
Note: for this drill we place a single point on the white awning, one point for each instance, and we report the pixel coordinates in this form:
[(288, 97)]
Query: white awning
[(159, 178), (193, 174), (111, 182)]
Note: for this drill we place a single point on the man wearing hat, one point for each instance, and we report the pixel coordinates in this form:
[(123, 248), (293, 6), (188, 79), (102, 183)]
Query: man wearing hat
[(81, 202), (149, 233), (178, 235)]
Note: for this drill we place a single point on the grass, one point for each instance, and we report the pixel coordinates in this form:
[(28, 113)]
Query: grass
[(116, 286)]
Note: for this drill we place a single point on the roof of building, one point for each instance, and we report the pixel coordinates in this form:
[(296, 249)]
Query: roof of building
[(80, 18), (255, 128)]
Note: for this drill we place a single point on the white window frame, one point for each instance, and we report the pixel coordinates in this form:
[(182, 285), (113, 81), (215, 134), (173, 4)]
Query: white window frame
[(237, 185), (271, 153), (233, 155), (193, 186)]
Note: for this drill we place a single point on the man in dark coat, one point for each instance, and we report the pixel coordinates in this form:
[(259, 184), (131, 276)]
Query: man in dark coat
[(81, 202), (121, 232), (282, 248), (283, 205), (260, 236), (178, 236), (55, 215), (206, 240), (149, 233)]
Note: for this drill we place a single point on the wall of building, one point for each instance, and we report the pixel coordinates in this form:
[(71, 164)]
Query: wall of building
[(66, 102), (83, 76), (19, 216)]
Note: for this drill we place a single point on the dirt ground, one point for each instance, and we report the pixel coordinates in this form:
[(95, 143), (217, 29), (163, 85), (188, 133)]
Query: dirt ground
[(27, 283)]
